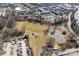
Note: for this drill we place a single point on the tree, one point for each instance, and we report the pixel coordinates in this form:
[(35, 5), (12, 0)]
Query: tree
[(5, 34), (11, 20), (17, 32), (2, 22)]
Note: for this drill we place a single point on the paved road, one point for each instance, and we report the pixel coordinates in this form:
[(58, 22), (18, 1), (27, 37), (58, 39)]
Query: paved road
[(72, 25), (69, 22), (69, 52)]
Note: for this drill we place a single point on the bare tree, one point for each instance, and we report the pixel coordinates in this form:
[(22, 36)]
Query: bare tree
[(9, 24), (5, 34), (11, 20), (2, 22)]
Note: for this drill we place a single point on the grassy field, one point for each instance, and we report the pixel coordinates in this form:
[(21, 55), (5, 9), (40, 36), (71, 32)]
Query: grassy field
[(35, 43)]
